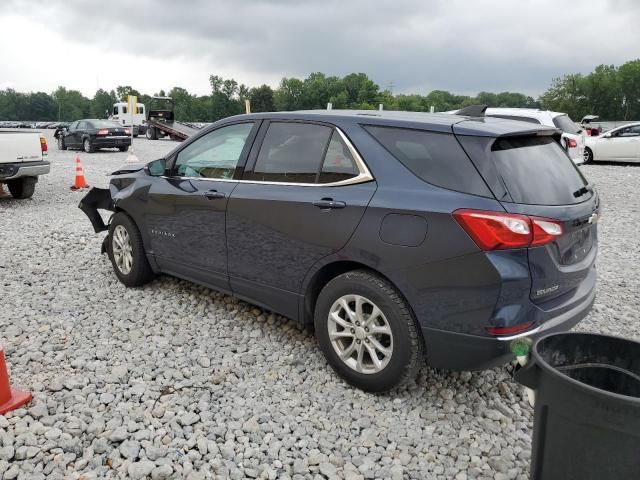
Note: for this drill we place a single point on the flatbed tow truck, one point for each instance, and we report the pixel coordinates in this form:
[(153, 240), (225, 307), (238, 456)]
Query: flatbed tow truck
[(161, 121)]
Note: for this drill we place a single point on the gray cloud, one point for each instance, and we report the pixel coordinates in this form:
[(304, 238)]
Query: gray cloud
[(416, 45)]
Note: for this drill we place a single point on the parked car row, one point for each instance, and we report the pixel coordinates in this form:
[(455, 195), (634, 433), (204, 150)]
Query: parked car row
[(15, 124)]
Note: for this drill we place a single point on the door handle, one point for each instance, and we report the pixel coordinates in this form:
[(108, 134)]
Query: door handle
[(213, 194), (329, 203)]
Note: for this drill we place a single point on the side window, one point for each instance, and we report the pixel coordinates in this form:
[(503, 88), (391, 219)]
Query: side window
[(73, 126), (124, 109), (629, 132), (214, 155), (436, 158), (115, 110), (291, 152), (338, 164), (82, 126), (140, 109)]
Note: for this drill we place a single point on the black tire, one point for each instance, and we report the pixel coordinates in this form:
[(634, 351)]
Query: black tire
[(588, 155), (123, 149), (22, 187), (151, 134), (407, 354), (87, 146), (135, 135), (61, 144), (140, 272)]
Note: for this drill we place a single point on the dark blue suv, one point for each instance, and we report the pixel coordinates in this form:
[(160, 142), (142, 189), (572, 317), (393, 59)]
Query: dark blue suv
[(396, 235)]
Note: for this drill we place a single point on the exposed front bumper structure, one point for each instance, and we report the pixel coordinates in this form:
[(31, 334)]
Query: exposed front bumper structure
[(97, 198)]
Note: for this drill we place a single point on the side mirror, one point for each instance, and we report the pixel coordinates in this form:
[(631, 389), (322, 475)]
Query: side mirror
[(157, 168)]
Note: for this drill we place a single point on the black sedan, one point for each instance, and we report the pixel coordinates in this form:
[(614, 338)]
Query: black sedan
[(90, 135)]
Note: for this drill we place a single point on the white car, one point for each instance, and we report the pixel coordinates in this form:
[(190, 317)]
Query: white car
[(619, 144), (572, 140)]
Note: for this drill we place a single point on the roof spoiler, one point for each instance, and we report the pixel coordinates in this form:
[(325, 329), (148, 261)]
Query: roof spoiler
[(473, 111)]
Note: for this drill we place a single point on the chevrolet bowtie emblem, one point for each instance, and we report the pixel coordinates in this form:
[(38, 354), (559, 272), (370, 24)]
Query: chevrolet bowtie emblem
[(593, 219)]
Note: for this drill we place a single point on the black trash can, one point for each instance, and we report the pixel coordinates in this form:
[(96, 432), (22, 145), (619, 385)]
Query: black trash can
[(587, 410)]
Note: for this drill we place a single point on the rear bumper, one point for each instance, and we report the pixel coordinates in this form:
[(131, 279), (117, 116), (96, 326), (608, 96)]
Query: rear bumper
[(11, 171), (459, 351), (112, 142)]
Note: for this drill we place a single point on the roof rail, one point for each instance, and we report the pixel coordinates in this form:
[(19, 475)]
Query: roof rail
[(473, 111)]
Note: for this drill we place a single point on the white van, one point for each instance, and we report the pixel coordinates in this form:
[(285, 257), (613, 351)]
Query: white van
[(122, 115), (573, 139)]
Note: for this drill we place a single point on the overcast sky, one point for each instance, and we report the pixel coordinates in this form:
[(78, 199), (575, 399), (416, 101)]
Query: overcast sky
[(464, 46)]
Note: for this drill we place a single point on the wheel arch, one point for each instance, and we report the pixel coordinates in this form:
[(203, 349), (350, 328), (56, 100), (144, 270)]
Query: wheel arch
[(323, 275)]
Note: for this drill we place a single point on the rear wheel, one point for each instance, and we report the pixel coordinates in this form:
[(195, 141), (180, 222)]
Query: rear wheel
[(126, 252), (588, 155), (87, 146), (366, 331), (151, 133), (123, 149), (22, 188), (61, 145)]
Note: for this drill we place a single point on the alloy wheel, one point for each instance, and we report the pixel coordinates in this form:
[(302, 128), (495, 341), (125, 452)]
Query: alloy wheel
[(360, 334), (122, 249)]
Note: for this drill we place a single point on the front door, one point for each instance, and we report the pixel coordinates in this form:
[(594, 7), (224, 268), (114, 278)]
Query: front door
[(623, 144), (70, 135), (185, 212), (302, 196)]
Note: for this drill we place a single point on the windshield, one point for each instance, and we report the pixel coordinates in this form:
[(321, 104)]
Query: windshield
[(564, 123), (104, 124), (161, 104), (536, 171)]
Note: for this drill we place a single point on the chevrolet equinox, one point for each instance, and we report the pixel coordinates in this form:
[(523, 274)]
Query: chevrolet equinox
[(400, 237)]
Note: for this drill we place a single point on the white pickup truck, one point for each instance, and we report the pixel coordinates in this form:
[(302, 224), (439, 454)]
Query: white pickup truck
[(22, 158)]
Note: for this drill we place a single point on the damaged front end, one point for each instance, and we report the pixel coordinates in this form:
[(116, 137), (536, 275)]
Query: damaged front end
[(104, 198), (97, 198)]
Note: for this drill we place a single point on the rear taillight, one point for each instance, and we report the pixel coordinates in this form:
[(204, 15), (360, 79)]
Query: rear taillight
[(103, 131), (571, 143), (511, 330), (502, 231), (43, 145), (127, 131), (544, 231)]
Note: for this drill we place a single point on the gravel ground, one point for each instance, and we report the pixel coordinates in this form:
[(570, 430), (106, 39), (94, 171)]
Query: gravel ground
[(177, 381)]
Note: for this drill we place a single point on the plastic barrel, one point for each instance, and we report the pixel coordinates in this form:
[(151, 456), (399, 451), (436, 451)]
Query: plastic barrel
[(587, 410)]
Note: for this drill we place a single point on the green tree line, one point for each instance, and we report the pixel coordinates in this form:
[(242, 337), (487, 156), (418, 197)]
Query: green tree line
[(609, 91)]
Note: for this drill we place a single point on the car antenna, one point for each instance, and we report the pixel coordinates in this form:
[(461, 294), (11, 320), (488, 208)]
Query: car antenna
[(473, 111)]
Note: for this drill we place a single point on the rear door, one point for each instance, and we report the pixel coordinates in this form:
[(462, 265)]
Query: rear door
[(302, 196), (538, 179)]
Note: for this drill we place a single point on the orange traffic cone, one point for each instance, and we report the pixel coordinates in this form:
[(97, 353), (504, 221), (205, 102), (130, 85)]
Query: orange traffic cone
[(9, 399), (80, 181)]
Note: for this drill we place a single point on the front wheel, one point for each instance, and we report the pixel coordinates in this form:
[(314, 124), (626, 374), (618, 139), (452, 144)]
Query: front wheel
[(123, 149), (588, 155), (367, 332), (126, 252), (61, 145)]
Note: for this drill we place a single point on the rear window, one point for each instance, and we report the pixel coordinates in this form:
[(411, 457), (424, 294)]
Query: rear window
[(536, 171), (564, 123), (436, 158)]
